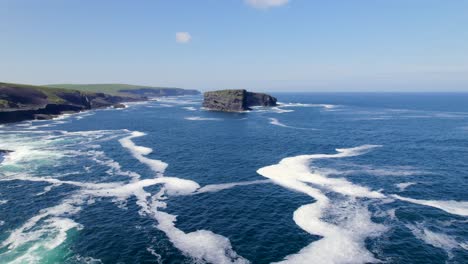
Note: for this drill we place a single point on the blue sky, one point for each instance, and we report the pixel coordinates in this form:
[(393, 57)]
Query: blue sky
[(277, 45)]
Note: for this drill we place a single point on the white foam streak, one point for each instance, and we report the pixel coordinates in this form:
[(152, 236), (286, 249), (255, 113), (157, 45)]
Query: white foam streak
[(140, 152), (342, 242), (435, 239), (199, 118), (53, 221), (276, 122), (190, 108), (452, 207), (202, 244), (224, 186)]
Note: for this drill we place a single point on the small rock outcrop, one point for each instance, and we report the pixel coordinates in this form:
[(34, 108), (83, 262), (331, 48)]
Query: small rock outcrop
[(236, 100)]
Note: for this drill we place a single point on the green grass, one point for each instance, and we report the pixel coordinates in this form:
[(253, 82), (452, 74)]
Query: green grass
[(51, 93), (3, 103), (111, 88)]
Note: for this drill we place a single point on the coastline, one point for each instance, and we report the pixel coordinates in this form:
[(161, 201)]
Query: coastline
[(52, 111)]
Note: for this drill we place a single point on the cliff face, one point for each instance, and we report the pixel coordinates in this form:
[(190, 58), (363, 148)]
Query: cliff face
[(24, 102), (236, 100)]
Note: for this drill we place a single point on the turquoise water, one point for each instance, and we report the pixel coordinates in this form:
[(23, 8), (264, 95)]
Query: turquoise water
[(323, 178)]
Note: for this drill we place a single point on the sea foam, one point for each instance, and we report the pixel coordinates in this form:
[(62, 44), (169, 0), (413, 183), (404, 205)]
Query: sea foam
[(439, 240), (341, 242), (452, 207), (199, 118), (140, 152)]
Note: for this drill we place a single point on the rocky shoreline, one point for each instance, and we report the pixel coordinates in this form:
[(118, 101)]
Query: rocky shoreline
[(50, 111), (20, 102)]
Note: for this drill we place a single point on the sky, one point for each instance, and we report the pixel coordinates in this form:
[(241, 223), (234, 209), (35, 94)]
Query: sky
[(264, 45)]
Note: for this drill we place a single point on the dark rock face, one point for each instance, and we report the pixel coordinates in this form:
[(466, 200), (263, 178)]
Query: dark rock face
[(19, 103), (236, 100), (119, 106), (260, 99), (3, 153), (225, 100)]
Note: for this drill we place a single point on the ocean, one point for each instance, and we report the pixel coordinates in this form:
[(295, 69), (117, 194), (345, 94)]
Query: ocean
[(322, 178)]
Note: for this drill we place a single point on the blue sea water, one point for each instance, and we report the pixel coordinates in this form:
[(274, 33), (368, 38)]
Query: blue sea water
[(323, 178)]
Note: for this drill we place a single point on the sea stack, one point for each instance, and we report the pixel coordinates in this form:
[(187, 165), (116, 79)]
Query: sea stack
[(236, 100)]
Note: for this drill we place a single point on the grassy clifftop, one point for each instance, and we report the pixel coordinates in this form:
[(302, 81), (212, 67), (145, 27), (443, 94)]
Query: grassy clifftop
[(122, 89), (111, 88)]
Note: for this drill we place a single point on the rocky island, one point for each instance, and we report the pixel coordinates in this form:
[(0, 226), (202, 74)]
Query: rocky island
[(20, 102), (236, 100)]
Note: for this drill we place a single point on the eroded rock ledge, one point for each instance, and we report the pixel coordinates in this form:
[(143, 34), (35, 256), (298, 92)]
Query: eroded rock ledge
[(236, 100)]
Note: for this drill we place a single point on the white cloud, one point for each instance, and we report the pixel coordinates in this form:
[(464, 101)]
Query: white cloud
[(183, 37), (266, 3)]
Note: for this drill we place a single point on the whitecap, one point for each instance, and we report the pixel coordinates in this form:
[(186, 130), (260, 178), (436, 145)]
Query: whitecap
[(276, 122), (326, 106), (402, 186), (199, 118), (190, 108), (464, 246), (43, 232)]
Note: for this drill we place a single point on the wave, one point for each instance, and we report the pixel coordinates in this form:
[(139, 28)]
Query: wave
[(452, 207), (342, 242), (42, 233), (275, 109), (276, 122), (326, 106), (402, 186), (190, 108), (199, 118)]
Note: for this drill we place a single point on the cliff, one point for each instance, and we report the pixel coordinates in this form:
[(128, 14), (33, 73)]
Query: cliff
[(236, 100), (19, 102), (26, 102), (127, 89)]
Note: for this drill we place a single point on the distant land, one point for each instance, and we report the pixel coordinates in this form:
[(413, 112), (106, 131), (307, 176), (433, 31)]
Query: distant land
[(126, 89), (19, 102)]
